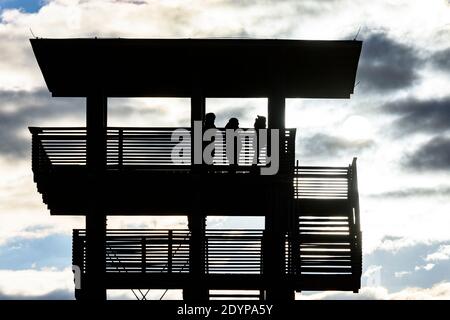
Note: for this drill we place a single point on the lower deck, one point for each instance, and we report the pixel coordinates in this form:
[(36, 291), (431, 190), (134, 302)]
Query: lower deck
[(324, 254)]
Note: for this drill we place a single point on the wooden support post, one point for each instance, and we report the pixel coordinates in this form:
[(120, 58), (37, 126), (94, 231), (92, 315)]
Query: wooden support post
[(276, 111), (276, 120), (197, 114), (196, 291), (95, 288), (196, 219), (96, 125), (278, 214)]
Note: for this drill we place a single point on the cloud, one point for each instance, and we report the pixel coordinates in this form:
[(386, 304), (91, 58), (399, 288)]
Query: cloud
[(322, 144), (401, 274), (433, 155), (21, 253), (441, 60), (443, 253), (395, 243), (415, 115), (386, 64), (136, 2), (440, 291), (414, 192), (20, 109), (398, 263), (426, 267), (52, 295), (36, 284)]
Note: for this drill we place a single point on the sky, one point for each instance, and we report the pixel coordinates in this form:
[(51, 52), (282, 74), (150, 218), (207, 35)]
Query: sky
[(397, 123)]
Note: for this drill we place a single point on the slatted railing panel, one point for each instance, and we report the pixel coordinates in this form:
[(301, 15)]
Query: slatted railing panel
[(233, 251), (151, 251), (321, 182), (59, 146), (167, 251), (324, 246), (150, 147), (144, 146)]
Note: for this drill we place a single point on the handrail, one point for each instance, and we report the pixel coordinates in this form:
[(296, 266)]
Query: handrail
[(229, 251), (321, 182), (140, 146)]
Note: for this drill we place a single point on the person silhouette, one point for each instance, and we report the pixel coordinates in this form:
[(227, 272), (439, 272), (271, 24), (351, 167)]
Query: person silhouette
[(233, 123), (233, 156), (260, 123), (209, 123)]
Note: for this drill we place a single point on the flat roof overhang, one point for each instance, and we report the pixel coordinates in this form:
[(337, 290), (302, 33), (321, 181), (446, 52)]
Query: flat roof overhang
[(185, 67)]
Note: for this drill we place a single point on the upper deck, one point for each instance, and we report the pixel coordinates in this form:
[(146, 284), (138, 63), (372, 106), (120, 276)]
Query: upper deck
[(143, 174), (141, 177)]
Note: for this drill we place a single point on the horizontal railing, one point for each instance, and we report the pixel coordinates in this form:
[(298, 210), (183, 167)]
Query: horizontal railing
[(322, 182), (167, 251), (148, 147), (233, 251), (323, 246)]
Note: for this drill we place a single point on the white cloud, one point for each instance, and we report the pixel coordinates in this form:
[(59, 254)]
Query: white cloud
[(33, 283), (443, 253), (440, 291), (426, 267), (401, 274)]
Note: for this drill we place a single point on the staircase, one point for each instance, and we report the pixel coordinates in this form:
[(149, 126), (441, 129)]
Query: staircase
[(327, 251)]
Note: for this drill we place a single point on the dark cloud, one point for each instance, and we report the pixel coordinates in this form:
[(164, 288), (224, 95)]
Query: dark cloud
[(414, 192), (20, 109), (441, 59), (386, 64), (325, 145), (431, 156), (430, 116)]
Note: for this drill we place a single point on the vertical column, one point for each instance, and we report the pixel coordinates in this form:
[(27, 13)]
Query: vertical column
[(276, 120), (276, 111), (197, 114), (196, 289), (96, 125), (277, 216)]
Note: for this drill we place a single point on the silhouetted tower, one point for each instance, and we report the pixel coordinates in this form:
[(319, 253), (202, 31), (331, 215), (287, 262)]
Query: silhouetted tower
[(312, 238)]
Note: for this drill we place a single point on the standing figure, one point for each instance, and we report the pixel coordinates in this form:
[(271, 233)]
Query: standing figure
[(260, 123), (209, 123), (233, 156)]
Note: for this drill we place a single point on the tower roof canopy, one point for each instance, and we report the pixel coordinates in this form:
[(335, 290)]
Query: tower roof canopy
[(210, 67)]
